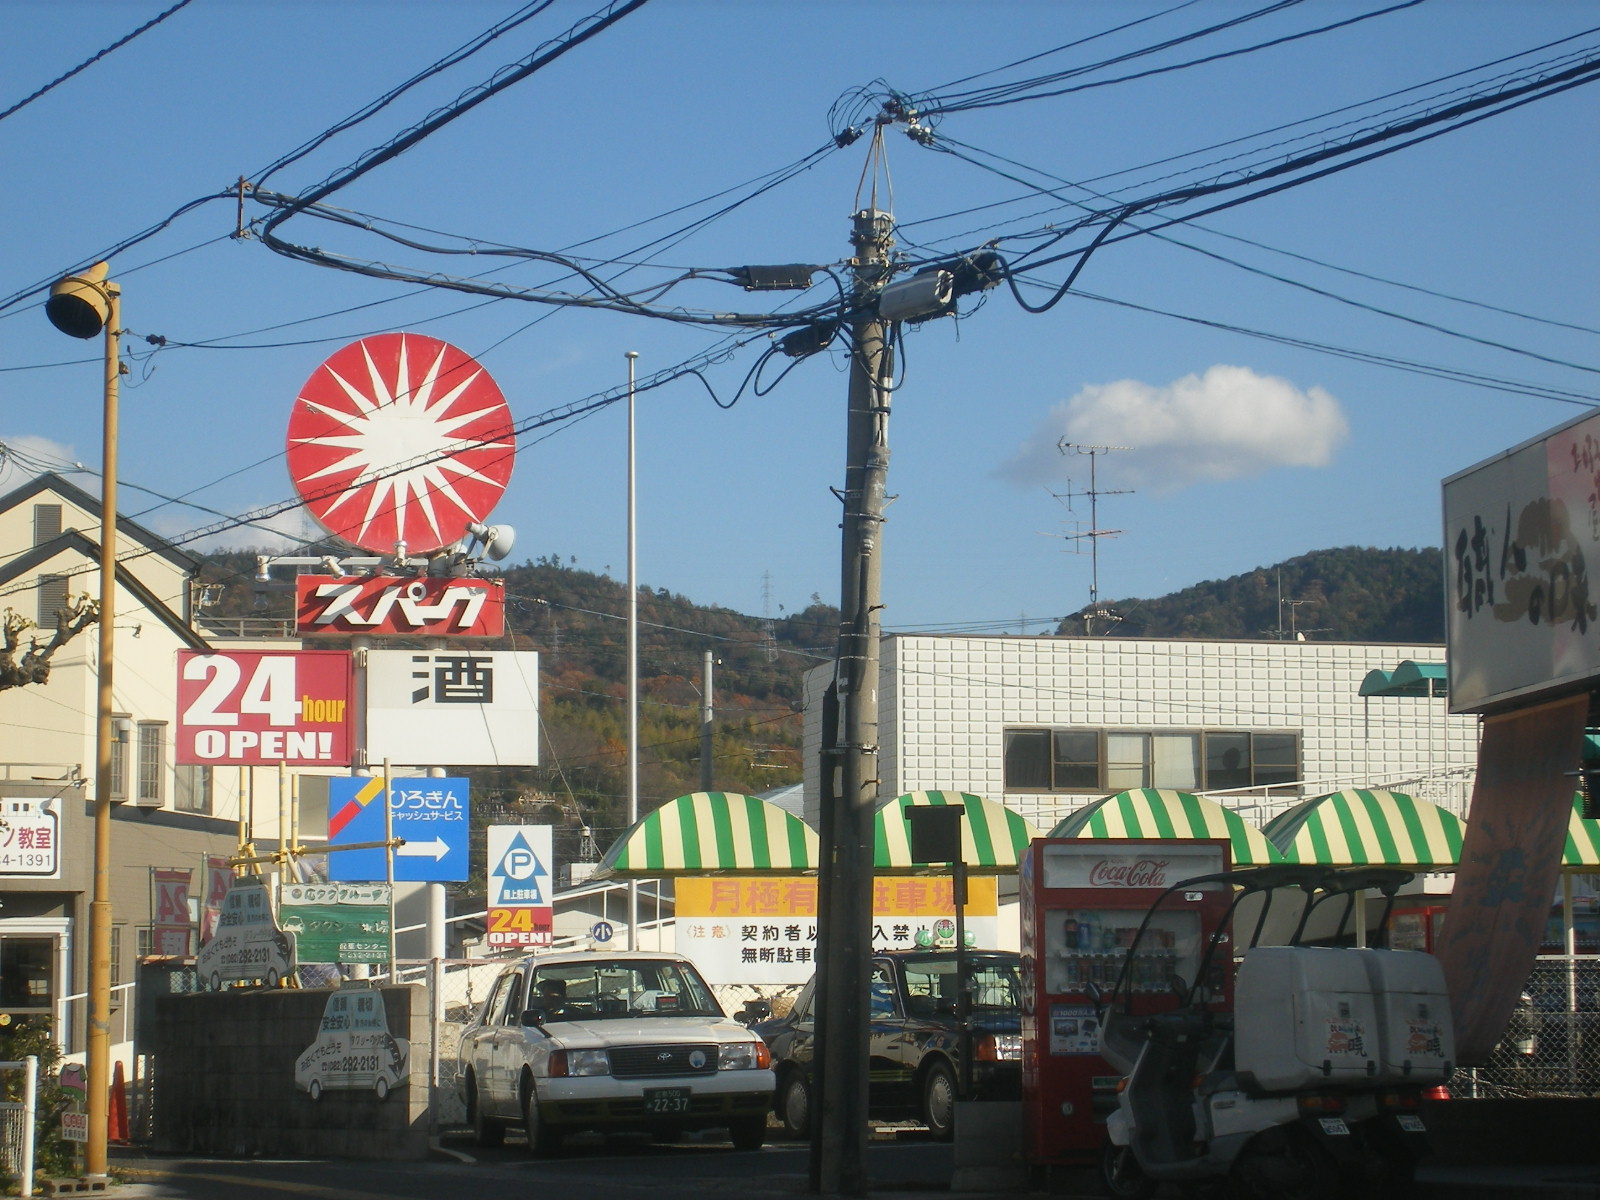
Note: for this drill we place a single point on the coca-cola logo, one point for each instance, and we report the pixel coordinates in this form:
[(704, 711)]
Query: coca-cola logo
[(1129, 873)]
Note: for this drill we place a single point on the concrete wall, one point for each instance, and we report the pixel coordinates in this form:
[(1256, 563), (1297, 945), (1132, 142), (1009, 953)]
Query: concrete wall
[(223, 1079)]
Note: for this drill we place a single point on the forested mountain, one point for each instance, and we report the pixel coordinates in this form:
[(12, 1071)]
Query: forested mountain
[(576, 620), (1352, 594)]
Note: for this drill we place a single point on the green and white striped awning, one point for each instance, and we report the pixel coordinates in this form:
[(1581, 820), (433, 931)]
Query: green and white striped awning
[(1356, 827), (707, 832), (993, 837), (1169, 814), (1582, 850)]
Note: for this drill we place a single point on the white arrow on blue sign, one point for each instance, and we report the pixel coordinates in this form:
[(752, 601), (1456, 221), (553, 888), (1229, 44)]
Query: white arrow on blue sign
[(430, 814)]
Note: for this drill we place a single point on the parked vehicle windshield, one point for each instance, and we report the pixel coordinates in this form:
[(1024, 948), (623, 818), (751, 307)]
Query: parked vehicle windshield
[(621, 988), (931, 984)]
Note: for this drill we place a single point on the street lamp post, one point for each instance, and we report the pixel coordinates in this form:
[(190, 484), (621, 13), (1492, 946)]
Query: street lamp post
[(82, 306), (633, 671)]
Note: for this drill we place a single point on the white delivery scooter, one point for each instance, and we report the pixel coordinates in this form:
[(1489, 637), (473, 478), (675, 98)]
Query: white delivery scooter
[(1308, 1089)]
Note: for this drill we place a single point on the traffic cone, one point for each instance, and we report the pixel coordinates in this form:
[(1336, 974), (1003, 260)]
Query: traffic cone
[(117, 1110)]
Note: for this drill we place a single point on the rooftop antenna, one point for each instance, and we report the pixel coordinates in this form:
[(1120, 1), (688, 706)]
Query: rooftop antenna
[(1094, 533)]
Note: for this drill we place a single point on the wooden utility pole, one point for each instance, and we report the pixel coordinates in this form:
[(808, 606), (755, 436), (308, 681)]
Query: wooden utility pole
[(846, 917)]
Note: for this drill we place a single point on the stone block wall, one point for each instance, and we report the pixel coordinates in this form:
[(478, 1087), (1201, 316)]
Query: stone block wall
[(223, 1079)]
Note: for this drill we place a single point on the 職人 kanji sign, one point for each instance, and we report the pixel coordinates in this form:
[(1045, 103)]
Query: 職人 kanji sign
[(29, 833), (520, 859), (337, 922), (430, 814), (252, 707), (763, 929), (465, 707)]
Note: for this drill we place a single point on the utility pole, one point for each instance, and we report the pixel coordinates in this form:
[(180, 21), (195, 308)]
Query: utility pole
[(846, 919)]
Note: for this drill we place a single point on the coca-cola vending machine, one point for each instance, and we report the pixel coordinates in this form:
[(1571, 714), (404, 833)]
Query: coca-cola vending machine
[(1082, 902)]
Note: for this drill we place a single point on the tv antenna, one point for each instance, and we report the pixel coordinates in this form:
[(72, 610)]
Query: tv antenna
[(1094, 533)]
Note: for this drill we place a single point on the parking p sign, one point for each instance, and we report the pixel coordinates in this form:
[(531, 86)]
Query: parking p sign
[(521, 862)]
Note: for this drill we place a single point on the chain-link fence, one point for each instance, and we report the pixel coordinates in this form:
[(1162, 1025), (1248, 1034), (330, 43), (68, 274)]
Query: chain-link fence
[(1551, 1045)]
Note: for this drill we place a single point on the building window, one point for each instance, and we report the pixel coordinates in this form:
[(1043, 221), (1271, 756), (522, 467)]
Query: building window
[(27, 974), (1117, 760), (193, 789), (46, 522), (53, 591), (121, 728), (152, 762)]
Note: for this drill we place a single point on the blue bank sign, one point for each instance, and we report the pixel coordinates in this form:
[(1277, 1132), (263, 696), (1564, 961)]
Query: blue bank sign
[(430, 814)]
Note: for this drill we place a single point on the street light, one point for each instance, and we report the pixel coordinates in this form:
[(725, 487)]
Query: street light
[(81, 306)]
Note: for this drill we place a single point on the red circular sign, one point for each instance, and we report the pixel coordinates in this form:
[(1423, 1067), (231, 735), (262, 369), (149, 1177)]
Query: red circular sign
[(400, 438)]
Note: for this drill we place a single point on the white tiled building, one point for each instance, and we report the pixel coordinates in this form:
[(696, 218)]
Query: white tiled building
[(1046, 724)]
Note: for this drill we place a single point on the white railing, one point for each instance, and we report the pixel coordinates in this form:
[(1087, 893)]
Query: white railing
[(66, 1030), (18, 1125)]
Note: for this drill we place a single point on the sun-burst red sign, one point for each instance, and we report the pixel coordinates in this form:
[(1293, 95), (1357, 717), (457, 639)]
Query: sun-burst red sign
[(400, 438)]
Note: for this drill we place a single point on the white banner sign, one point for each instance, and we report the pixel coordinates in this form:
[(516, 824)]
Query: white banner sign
[(462, 707), (29, 836)]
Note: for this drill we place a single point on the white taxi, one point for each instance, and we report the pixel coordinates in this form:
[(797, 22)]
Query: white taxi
[(611, 1041)]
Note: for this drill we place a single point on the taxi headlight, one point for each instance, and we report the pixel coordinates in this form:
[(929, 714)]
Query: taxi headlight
[(743, 1056), (579, 1062)]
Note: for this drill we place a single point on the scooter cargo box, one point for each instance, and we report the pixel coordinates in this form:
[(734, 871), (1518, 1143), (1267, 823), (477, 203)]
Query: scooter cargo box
[(1416, 1038), (1304, 1017)]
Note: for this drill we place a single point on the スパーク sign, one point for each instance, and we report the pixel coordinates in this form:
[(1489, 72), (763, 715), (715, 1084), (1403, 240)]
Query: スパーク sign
[(431, 607), (252, 707)]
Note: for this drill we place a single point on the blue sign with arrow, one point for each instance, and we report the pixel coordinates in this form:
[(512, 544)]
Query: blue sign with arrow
[(430, 814)]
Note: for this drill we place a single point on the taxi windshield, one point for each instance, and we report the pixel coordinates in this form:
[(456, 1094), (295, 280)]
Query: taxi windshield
[(622, 987)]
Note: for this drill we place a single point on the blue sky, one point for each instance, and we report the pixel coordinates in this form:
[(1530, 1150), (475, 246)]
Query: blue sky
[(1242, 452)]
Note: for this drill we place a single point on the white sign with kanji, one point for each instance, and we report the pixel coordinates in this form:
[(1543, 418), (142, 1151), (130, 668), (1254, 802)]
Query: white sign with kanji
[(29, 836), (458, 706)]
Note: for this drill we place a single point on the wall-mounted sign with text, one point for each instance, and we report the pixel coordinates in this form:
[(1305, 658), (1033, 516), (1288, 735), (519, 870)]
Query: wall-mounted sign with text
[(337, 922), (763, 929), (469, 708), (253, 707), (29, 839), (416, 606)]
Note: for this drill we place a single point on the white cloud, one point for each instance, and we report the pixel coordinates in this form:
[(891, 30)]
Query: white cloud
[(26, 457), (286, 533), (1229, 423)]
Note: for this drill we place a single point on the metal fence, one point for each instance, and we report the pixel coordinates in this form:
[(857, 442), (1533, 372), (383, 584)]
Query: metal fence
[(1551, 1045)]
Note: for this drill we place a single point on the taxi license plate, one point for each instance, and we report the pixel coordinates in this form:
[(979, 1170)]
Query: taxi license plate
[(663, 1102), (1333, 1125)]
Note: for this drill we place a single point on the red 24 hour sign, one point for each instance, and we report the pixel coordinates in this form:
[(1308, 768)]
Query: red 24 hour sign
[(256, 707)]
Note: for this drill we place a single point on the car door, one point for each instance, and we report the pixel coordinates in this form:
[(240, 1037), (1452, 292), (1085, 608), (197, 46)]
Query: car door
[(505, 1049), (477, 1044), (889, 1066)]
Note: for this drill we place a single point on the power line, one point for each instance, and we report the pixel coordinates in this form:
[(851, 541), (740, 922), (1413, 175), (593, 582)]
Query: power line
[(90, 61)]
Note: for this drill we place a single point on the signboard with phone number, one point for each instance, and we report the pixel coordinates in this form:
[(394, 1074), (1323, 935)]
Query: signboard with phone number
[(29, 839)]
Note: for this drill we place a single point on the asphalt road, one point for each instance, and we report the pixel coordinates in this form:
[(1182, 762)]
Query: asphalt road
[(902, 1162)]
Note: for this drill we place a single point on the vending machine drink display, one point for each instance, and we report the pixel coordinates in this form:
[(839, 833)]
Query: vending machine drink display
[(1082, 903)]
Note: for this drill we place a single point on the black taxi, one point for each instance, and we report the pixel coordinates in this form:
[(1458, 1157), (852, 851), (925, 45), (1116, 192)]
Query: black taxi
[(916, 1039)]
